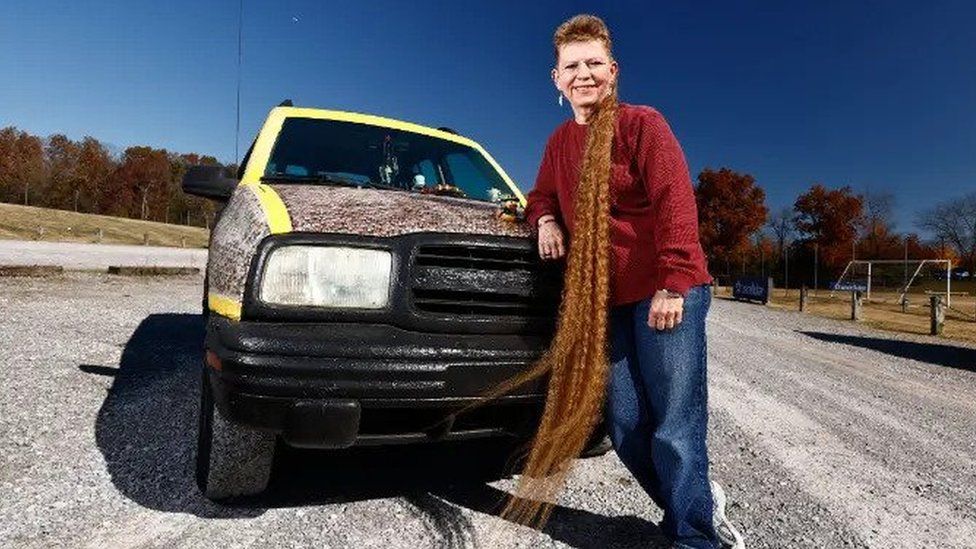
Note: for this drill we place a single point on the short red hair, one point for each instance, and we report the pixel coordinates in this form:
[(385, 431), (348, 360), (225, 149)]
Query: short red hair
[(582, 28)]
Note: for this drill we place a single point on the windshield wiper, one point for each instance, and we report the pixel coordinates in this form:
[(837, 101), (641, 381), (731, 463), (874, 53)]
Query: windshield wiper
[(321, 178), (328, 178)]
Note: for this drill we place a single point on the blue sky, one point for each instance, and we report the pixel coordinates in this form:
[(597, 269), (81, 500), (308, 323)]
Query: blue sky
[(877, 95)]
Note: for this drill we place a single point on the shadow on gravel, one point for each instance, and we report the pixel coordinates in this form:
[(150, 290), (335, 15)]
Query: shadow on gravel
[(434, 479), (962, 358), (146, 427), (146, 431)]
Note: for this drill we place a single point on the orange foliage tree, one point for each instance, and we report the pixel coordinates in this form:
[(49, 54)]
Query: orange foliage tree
[(731, 208), (95, 165), (139, 184), (58, 172), (63, 180), (21, 166), (831, 219)]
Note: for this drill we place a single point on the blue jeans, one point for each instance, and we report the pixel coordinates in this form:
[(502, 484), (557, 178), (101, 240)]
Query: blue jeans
[(657, 413)]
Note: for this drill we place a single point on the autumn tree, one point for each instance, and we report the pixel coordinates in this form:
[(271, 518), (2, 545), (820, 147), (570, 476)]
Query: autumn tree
[(139, 186), (8, 163), (82, 175), (731, 208), (95, 165), (21, 166), (831, 219), (915, 248), (63, 180), (783, 227), (764, 251), (184, 208), (879, 239), (954, 222)]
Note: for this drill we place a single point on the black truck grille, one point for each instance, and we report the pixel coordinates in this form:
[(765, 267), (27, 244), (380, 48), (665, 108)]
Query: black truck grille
[(484, 281)]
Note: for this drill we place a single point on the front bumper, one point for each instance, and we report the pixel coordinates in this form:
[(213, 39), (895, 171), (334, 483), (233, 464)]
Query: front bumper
[(338, 385)]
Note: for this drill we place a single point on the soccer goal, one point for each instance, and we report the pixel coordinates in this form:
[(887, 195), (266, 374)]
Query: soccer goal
[(896, 276)]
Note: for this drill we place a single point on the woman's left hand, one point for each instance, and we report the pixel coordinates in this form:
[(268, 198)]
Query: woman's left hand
[(665, 312)]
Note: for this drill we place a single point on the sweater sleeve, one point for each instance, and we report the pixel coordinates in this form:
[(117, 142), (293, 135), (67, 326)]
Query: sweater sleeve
[(542, 199), (668, 185)]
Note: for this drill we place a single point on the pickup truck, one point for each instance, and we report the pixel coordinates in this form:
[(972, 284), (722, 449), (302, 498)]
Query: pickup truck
[(366, 278)]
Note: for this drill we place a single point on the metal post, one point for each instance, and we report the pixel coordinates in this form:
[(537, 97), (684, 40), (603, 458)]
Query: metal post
[(847, 268), (786, 274), (948, 278), (936, 315), (869, 280), (816, 264), (904, 281)]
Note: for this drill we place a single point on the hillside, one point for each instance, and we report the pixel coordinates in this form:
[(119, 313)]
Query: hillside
[(30, 223)]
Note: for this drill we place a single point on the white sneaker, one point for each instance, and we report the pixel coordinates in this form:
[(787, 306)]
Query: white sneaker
[(727, 534)]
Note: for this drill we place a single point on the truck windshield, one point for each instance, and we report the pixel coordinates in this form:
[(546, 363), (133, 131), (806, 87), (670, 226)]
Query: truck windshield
[(335, 152)]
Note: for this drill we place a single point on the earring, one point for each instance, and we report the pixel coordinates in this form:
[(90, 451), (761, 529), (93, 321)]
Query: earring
[(560, 100)]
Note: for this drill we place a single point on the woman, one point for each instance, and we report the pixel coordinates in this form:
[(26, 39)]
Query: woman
[(614, 179)]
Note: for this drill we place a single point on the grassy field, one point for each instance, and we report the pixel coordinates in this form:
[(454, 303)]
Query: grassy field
[(29, 223), (883, 310)]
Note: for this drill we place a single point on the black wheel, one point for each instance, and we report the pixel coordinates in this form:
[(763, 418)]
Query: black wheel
[(231, 460)]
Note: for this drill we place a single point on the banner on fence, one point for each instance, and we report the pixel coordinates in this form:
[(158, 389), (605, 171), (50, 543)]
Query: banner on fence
[(752, 288), (849, 286)]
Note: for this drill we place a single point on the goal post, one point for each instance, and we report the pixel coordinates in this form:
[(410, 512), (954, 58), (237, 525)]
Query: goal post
[(870, 273)]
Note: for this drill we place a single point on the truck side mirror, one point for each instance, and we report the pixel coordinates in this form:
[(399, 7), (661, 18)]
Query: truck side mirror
[(208, 182)]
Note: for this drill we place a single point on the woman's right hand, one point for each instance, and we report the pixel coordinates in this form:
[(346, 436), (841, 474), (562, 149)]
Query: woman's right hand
[(551, 241)]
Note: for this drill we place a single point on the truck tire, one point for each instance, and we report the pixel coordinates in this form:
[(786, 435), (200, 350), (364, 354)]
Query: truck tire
[(599, 443), (231, 460), (598, 448)]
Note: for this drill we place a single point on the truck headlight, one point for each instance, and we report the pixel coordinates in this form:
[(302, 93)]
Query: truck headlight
[(327, 276)]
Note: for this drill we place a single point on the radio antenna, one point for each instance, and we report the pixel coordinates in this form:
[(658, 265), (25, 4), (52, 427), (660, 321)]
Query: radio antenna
[(240, 41)]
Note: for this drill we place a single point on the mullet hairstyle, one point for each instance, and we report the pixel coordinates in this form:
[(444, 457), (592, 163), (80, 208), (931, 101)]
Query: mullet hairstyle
[(576, 360)]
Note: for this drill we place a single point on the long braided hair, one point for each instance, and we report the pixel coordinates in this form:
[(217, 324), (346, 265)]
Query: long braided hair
[(576, 361)]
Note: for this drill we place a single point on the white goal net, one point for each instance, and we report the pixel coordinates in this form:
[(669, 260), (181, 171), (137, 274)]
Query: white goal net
[(895, 278)]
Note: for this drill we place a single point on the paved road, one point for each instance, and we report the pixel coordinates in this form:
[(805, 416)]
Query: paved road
[(72, 255), (825, 434)]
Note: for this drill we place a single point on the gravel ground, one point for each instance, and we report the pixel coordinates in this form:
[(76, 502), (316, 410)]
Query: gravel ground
[(74, 256), (825, 434)]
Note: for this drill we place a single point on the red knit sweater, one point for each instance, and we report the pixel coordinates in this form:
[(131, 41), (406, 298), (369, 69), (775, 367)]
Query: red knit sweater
[(653, 216)]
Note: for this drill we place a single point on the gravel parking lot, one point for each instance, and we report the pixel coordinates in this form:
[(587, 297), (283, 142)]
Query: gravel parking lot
[(825, 434)]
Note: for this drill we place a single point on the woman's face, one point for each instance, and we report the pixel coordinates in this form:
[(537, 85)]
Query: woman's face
[(584, 72)]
